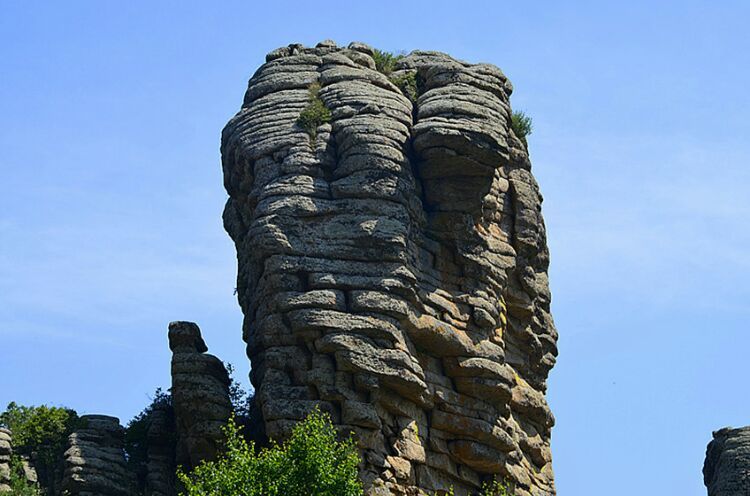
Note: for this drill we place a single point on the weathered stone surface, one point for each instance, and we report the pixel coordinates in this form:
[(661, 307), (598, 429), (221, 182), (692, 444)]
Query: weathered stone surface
[(392, 268), (6, 451), (200, 396), (160, 470), (95, 459), (726, 471)]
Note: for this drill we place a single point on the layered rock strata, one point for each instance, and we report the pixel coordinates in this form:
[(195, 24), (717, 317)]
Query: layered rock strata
[(95, 459), (726, 471), (5, 453), (160, 469), (392, 266), (200, 395)]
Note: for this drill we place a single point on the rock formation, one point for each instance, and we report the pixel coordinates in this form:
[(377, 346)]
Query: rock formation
[(200, 395), (392, 265), (160, 468), (95, 459), (5, 453), (726, 471)]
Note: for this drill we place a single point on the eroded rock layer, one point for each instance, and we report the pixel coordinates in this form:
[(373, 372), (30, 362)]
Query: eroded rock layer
[(200, 395), (726, 471), (392, 266), (95, 459), (160, 468), (5, 453)]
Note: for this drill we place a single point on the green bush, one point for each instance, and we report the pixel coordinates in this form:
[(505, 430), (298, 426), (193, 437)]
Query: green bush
[(385, 62), (311, 463), (521, 124), (408, 85), (314, 114)]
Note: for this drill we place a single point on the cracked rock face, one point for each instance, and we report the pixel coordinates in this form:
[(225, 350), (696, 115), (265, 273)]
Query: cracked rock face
[(200, 395), (392, 266), (726, 471), (95, 459)]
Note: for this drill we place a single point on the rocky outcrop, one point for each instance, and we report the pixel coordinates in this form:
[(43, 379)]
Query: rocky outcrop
[(726, 471), (95, 459), (392, 266), (5, 453), (160, 468), (200, 395)]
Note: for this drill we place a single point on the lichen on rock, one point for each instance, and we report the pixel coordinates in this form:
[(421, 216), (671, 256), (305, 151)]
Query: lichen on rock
[(394, 273)]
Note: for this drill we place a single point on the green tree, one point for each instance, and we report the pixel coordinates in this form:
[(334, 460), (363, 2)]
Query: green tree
[(311, 463), (241, 400), (41, 433)]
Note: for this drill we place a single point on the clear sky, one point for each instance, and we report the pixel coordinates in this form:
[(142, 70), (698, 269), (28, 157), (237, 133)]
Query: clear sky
[(111, 197)]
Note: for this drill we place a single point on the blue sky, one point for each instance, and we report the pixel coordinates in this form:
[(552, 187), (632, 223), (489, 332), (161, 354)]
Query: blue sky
[(111, 196)]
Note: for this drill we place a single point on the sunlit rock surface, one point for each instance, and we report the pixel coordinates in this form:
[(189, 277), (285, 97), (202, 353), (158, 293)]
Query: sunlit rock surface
[(392, 266)]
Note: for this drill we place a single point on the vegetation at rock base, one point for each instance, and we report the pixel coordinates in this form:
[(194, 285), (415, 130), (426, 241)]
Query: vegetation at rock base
[(314, 114), (312, 462), (39, 432), (385, 62), (521, 124), (18, 484)]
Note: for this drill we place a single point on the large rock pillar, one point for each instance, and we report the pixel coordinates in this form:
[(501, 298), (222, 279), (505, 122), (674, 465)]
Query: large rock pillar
[(392, 265)]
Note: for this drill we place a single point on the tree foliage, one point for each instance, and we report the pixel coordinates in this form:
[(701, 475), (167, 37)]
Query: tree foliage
[(385, 62), (409, 85), (41, 433), (38, 427), (241, 400), (311, 463)]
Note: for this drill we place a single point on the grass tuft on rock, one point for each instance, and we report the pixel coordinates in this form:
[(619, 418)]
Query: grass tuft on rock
[(314, 114), (521, 124)]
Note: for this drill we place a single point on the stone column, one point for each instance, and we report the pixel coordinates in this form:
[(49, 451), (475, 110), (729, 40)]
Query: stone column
[(95, 459), (200, 395), (392, 265)]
